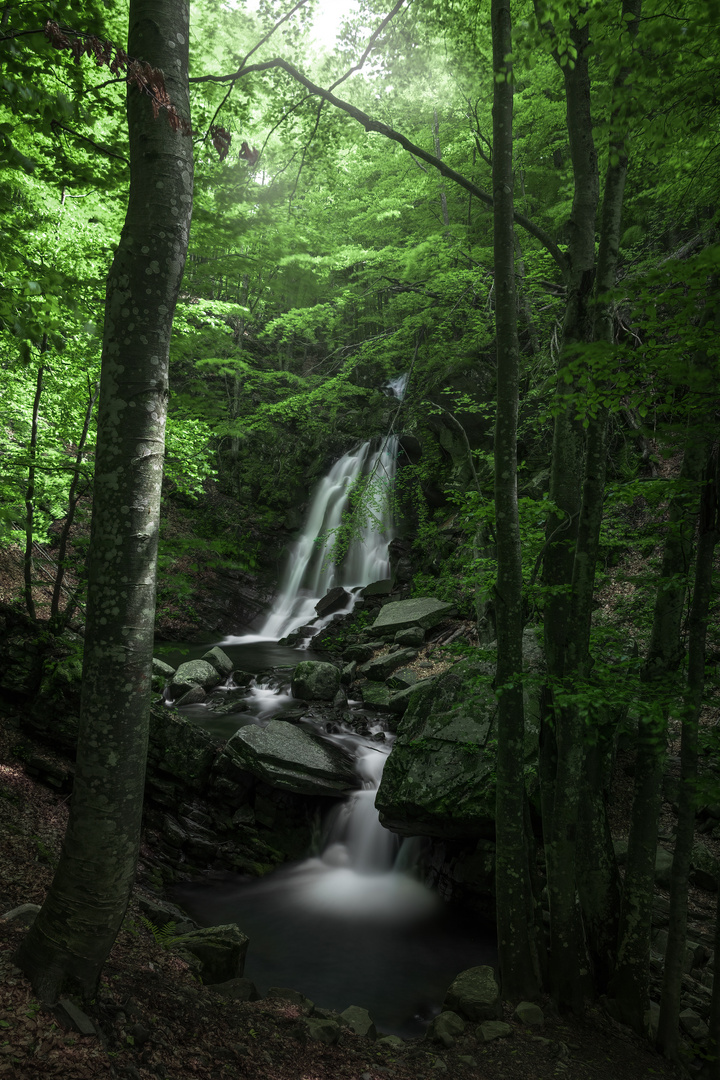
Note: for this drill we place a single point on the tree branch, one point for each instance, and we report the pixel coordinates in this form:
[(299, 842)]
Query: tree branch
[(382, 129)]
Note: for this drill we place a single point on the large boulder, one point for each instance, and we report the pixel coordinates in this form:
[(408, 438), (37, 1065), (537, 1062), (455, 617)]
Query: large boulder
[(179, 749), (220, 949), (439, 778), (313, 680), (288, 757), (423, 611), (336, 599), (219, 660)]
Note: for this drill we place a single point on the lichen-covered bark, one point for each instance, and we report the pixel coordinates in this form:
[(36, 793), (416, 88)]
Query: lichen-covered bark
[(516, 944), (74, 931)]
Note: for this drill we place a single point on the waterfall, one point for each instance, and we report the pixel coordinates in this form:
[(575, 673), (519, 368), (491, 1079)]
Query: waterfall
[(311, 572)]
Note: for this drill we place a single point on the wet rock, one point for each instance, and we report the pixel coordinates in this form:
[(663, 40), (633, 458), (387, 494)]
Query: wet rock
[(195, 696), (423, 612), (291, 758), (445, 1028), (360, 653), (377, 588), (220, 949), (334, 600), (190, 674), (439, 779), (315, 680), (382, 666), (179, 749), (359, 1020), (159, 667), (474, 994), (220, 661)]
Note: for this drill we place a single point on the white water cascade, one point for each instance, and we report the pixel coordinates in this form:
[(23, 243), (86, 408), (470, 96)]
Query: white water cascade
[(310, 572)]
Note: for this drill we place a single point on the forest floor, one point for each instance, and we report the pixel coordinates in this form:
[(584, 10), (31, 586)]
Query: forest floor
[(154, 1021)]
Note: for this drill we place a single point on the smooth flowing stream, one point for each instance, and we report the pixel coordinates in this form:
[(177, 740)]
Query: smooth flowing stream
[(352, 925)]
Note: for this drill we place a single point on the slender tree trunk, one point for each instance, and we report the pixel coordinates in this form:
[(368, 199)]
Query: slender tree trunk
[(563, 746), (74, 932), (73, 497), (668, 1033), (30, 490), (519, 970), (600, 895)]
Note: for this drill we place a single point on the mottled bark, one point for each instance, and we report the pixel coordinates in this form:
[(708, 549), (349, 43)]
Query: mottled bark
[(72, 936), (668, 1024), (519, 970)]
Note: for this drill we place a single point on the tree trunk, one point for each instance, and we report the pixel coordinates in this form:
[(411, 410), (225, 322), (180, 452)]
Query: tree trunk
[(667, 1037), (563, 747), (74, 932), (30, 490), (517, 947)]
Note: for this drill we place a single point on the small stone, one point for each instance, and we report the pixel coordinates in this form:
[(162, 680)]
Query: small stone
[(466, 1059), (530, 1014), (194, 696), (414, 635), (70, 1015), (323, 1031), (445, 1028), (493, 1029), (285, 993), (393, 1041), (236, 990), (359, 1020), (475, 994)]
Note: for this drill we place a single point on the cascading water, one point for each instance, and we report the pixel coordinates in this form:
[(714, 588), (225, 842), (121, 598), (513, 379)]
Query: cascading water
[(311, 571)]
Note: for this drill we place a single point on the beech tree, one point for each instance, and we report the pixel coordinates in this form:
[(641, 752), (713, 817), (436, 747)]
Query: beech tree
[(79, 920)]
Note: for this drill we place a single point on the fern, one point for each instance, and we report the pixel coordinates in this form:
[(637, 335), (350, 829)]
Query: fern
[(166, 935)]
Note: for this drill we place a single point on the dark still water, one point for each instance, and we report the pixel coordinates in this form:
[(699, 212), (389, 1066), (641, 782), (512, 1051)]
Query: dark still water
[(341, 938)]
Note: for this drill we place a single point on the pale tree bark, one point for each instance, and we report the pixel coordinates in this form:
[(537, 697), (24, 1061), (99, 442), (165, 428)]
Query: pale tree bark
[(77, 925), (708, 536), (517, 947)]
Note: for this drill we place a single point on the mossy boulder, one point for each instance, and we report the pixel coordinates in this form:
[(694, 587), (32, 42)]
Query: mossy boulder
[(439, 779), (314, 680)]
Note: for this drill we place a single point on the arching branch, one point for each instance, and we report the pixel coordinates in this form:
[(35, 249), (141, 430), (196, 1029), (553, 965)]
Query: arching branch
[(383, 129)]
